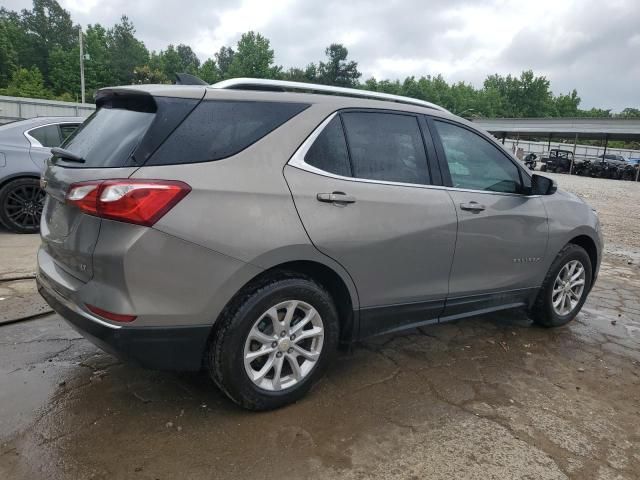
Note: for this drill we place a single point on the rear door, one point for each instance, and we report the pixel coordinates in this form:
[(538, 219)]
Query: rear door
[(502, 231), (362, 186)]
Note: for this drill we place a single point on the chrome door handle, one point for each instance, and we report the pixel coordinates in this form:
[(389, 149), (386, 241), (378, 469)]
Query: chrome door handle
[(338, 198), (472, 206)]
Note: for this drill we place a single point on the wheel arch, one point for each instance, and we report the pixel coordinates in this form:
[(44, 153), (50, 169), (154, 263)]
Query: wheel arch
[(589, 245), (18, 176), (342, 291)]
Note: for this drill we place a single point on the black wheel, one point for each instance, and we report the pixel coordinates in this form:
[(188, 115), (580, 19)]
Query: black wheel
[(274, 342), (564, 289), (21, 202), (543, 168)]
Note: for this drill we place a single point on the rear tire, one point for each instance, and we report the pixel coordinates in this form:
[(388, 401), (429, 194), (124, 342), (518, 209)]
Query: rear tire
[(565, 288), (21, 202), (543, 168), (261, 363)]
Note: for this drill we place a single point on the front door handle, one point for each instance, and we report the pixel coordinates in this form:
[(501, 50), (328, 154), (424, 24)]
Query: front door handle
[(472, 206), (339, 198)]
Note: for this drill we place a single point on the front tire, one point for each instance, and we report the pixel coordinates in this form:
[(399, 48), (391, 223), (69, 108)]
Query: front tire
[(274, 342), (21, 202), (564, 289)]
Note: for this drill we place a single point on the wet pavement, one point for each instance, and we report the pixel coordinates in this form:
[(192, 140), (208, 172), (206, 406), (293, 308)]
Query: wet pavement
[(491, 397), (488, 397)]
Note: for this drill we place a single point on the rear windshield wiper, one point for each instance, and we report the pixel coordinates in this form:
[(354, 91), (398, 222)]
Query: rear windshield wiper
[(67, 155)]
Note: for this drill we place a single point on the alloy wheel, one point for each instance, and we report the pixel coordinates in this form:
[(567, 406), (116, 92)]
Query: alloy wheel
[(283, 345), (568, 287), (23, 205)]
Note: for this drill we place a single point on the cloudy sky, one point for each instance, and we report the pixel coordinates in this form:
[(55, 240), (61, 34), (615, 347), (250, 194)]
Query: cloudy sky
[(590, 45)]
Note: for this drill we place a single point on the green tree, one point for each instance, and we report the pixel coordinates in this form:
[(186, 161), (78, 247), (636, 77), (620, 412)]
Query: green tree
[(27, 83), (145, 74), (629, 113), (47, 25), (337, 70), (64, 71), (309, 74), (526, 96), (180, 59), (126, 52), (188, 59), (224, 59), (208, 71), (97, 67), (253, 58), (8, 53), (567, 105)]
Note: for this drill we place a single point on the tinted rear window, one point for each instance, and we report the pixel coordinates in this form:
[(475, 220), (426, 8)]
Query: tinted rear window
[(220, 129), (109, 137)]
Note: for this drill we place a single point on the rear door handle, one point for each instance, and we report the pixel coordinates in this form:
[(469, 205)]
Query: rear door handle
[(472, 206), (338, 198)]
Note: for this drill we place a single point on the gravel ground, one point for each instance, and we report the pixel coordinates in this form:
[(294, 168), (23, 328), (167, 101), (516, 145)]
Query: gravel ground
[(617, 204)]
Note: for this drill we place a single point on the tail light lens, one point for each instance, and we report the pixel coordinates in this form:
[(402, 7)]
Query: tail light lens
[(142, 202), (116, 317)]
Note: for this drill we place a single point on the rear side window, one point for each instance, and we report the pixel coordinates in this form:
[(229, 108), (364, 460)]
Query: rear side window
[(48, 136), (329, 151), (386, 146), (220, 129)]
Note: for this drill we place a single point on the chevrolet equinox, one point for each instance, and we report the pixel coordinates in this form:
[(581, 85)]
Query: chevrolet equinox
[(251, 227)]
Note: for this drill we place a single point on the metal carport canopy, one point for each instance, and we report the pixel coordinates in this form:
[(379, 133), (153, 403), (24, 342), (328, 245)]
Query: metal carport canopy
[(585, 128)]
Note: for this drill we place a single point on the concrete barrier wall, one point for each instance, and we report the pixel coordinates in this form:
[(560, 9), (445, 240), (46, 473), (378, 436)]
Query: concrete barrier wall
[(18, 108)]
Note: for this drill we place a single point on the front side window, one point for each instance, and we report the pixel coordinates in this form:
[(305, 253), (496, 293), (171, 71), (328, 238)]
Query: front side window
[(474, 163), (386, 146), (48, 136), (329, 151)]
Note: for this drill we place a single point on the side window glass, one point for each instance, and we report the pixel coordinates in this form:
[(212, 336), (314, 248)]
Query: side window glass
[(386, 146), (67, 129), (476, 164), (48, 136), (329, 151)]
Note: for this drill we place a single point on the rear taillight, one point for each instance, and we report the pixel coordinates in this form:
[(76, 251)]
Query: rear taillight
[(142, 202)]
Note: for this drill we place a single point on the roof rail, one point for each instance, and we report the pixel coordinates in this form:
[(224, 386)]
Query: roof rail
[(284, 86)]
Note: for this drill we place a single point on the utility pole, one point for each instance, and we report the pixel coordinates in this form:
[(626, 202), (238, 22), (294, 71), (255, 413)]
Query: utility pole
[(81, 63)]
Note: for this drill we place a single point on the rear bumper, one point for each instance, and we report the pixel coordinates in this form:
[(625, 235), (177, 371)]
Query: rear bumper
[(162, 348)]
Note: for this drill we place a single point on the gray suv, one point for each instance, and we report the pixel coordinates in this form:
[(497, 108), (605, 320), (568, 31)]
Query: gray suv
[(252, 227)]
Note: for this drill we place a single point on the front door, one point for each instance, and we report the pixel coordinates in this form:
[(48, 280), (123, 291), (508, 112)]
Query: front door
[(502, 231), (370, 207)]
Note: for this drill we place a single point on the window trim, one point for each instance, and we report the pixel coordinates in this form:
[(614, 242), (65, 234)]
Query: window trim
[(36, 143), (297, 160), (444, 166)]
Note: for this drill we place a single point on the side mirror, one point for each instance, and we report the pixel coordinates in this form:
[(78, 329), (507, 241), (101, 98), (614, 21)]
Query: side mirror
[(543, 185)]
